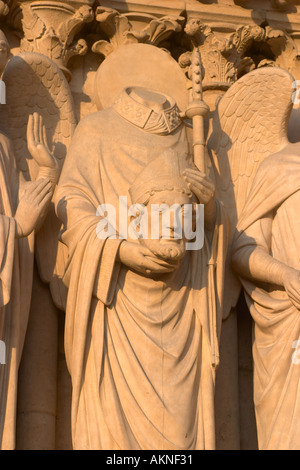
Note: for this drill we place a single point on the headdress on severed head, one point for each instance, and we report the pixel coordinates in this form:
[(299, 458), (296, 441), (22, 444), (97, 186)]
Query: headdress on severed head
[(164, 173)]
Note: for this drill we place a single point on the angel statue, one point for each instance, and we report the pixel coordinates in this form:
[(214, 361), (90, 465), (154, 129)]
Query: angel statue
[(36, 99), (143, 316), (23, 206), (259, 182)]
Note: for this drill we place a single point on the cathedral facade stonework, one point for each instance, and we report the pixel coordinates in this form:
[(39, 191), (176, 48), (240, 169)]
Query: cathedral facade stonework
[(112, 338)]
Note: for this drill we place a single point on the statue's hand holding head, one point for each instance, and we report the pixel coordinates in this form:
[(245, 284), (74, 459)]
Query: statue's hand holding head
[(168, 203)]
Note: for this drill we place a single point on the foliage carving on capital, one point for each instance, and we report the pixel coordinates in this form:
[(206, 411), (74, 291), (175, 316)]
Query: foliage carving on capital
[(54, 34), (119, 30), (226, 59), (282, 48)]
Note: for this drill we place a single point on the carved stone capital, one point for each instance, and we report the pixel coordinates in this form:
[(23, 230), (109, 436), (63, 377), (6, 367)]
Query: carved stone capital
[(227, 58), (50, 28), (119, 30), (281, 46)]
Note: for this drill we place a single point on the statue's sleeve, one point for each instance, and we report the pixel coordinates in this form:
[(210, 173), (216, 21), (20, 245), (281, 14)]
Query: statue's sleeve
[(78, 196), (91, 263), (9, 189), (107, 274), (7, 245)]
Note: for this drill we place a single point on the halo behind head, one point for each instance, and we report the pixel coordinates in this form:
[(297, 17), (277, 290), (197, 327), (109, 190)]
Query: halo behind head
[(124, 68)]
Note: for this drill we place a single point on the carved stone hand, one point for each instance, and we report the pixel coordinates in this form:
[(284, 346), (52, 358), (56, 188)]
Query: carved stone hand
[(32, 206), (141, 259), (201, 185), (204, 189), (291, 282), (39, 150)]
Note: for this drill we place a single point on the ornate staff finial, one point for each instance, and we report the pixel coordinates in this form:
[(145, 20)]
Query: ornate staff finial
[(197, 110)]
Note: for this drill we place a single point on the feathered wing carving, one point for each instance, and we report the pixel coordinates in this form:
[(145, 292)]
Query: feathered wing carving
[(250, 123), (34, 83)]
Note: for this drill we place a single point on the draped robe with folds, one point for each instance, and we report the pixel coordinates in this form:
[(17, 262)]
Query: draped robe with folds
[(141, 352), (16, 269), (276, 188)]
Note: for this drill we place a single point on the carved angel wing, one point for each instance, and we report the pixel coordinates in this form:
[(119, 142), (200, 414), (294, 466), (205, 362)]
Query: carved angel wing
[(34, 83), (250, 123)]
